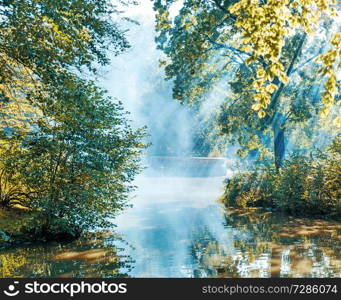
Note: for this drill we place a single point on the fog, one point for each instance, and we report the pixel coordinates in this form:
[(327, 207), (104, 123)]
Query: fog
[(176, 195)]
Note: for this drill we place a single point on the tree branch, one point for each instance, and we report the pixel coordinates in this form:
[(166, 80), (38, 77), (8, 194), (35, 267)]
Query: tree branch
[(276, 96), (304, 63), (221, 7), (222, 46)]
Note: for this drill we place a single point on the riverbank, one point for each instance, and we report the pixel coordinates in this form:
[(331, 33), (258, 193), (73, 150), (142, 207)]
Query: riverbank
[(176, 228), (12, 220), (20, 226), (305, 186)]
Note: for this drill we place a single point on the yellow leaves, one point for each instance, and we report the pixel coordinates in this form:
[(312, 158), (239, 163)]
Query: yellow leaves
[(57, 35), (261, 114), (325, 111), (262, 99), (246, 40), (9, 263), (162, 62), (336, 39), (265, 25), (329, 57), (264, 86), (330, 64), (253, 143), (247, 48), (261, 73), (187, 26), (256, 107), (162, 20), (17, 82), (283, 78), (337, 122), (237, 7), (330, 84), (271, 88), (85, 35), (188, 21), (249, 60), (276, 67), (263, 28)]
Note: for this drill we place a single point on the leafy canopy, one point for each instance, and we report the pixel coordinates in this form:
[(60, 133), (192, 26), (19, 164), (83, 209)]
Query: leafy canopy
[(41, 41), (263, 59), (67, 150), (250, 31)]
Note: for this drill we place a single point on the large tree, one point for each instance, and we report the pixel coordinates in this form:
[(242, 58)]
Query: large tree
[(42, 40), (262, 54), (67, 150), (80, 161)]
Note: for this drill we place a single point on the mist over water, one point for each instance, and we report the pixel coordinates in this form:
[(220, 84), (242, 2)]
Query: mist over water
[(176, 195), (168, 212), (176, 226)]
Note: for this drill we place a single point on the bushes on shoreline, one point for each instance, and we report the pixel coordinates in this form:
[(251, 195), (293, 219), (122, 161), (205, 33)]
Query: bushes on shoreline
[(306, 185), (77, 169)]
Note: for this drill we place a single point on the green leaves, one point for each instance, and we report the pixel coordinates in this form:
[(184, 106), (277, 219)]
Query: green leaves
[(67, 149), (306, 185), (82, 157), (42, 41), (262, 54)]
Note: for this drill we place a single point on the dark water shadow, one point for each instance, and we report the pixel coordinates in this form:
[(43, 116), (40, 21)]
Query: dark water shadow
[(94, 255)]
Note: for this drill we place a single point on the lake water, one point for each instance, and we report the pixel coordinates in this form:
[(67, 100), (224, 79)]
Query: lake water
[(177, 228)]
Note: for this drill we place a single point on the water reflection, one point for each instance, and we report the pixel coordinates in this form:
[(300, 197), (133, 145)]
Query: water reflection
[(271, 245), (95, 255), (166, 214), (178, 229)]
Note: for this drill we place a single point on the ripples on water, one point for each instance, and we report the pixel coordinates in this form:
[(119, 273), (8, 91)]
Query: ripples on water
[(178, 229)]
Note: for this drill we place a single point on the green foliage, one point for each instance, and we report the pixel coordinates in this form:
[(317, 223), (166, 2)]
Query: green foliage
[(306, 185), (43, 41), (242, 31), (67, 150), (48, 37), (249, 187), (79, 161), (262, 55), (12, 189)]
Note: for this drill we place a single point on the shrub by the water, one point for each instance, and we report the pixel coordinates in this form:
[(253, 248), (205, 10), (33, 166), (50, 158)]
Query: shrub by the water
[(76, 172), (68, 154), (307, 185)]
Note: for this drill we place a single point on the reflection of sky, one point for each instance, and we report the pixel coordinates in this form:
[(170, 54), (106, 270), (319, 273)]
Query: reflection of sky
[(177, 229), (169, 215), (172, 214)]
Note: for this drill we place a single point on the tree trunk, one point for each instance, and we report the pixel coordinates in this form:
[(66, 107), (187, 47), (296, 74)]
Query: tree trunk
[(279, 147), (278, 119), (279, 140)]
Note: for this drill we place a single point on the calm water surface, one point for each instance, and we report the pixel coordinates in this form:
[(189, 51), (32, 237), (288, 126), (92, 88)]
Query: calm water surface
[(176, 228)]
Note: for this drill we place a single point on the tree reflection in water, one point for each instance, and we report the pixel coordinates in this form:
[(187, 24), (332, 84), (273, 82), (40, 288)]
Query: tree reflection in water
[(266, 244), (252, 243), (96, 255)]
